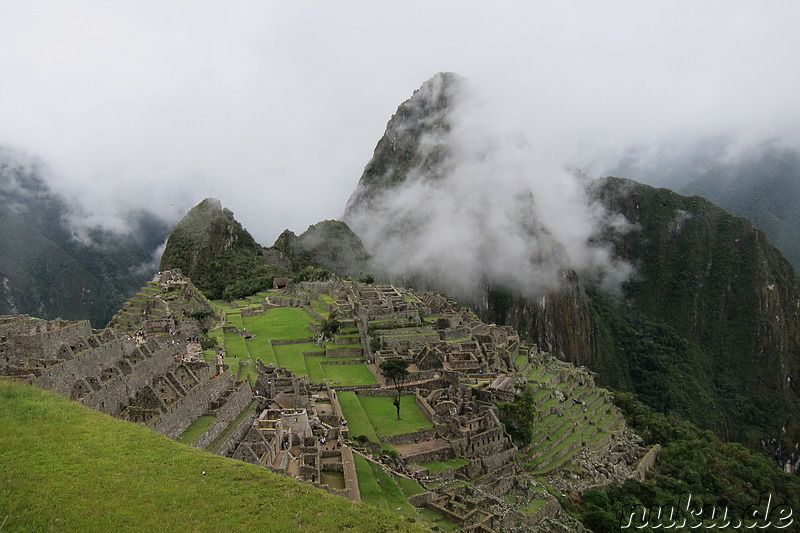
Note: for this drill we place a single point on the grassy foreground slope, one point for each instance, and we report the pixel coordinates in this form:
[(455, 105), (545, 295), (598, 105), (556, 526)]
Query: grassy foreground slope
[(64, 467)]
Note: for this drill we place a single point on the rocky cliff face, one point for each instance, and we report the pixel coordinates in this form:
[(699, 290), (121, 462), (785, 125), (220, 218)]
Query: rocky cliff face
[(717, 283)]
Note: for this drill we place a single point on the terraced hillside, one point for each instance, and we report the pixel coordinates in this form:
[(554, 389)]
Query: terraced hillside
[(288, 330), (574, 423)]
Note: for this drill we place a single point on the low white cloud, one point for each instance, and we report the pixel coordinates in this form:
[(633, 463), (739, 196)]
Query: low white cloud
[(494, 210), (275, 107)]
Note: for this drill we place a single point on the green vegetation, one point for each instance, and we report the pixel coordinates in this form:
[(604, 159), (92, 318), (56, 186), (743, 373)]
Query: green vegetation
[(286, 323), (518, 416), (282, 323), (379, 488), (197, 428), (291, 355), (380, 409), (395, 370), (217, 253), (693, 323), (692, 461), (329, 245), (357, 420), (369, 416), (357, 374), (437, 466), (64, 467)]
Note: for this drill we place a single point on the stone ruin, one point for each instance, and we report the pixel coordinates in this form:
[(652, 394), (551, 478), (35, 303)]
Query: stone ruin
[(461, 368), (153, 383)]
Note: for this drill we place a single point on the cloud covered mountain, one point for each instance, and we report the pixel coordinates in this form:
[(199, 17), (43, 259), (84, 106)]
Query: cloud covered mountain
[(664, 295), (50, 266)]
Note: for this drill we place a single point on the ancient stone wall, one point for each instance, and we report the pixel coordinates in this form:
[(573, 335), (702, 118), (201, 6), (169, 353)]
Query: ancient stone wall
[(281, 301), (115, 394), (237, 434), (226, 414), (344, 352), (393, 341), (454, 333), (26, 337), (179, 416), (646, 463), (499, 459), (408, 438), (277, 342)]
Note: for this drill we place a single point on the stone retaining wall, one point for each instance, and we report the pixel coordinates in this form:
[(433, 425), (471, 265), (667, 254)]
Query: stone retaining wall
[(646, 463), (408, 438), (226, 414), (442, 454), (237, 434), (178, 416), (277, 342), (344, 352), (115, 394)]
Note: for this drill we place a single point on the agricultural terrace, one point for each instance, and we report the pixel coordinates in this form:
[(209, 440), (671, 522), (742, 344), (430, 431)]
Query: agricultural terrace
[(375, 415), (381, 489), (304, 356)]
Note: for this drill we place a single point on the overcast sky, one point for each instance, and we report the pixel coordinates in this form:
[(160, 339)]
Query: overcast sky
[(275, 107)]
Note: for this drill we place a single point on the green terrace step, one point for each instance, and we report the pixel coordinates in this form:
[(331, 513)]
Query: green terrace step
[(534, 374), (566, 448)]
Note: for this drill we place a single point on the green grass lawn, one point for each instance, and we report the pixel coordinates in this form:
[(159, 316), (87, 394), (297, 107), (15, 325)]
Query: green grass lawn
[(234, 318), (235, 345), (320, 308), (434, 517), (357, 419), (383, 415), (438, 466), (64, 467), (197, 428), (261, 350), (283, 323), (313, 368), (348, 374), (315, 365), (409, 486), (291, 355), (379, 488)]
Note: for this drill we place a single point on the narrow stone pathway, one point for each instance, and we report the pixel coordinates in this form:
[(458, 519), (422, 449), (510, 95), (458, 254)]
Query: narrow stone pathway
[(350, 477)]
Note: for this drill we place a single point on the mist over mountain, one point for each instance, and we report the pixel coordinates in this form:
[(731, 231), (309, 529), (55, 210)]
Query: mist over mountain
[(758, 181), (664, 295), (452, 200), (50, 267)]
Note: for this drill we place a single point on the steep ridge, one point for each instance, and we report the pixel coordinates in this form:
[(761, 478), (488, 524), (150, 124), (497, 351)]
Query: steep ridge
[(329, 244), (717, 283)]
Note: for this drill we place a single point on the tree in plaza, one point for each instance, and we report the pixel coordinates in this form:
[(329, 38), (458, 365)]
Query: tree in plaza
[(396, 370)]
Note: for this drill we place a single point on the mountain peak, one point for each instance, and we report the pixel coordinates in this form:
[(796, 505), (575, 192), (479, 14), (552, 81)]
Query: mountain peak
[(415, 142), (207, 232)]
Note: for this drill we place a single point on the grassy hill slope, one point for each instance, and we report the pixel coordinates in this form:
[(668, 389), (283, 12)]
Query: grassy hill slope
[(64, 467)]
